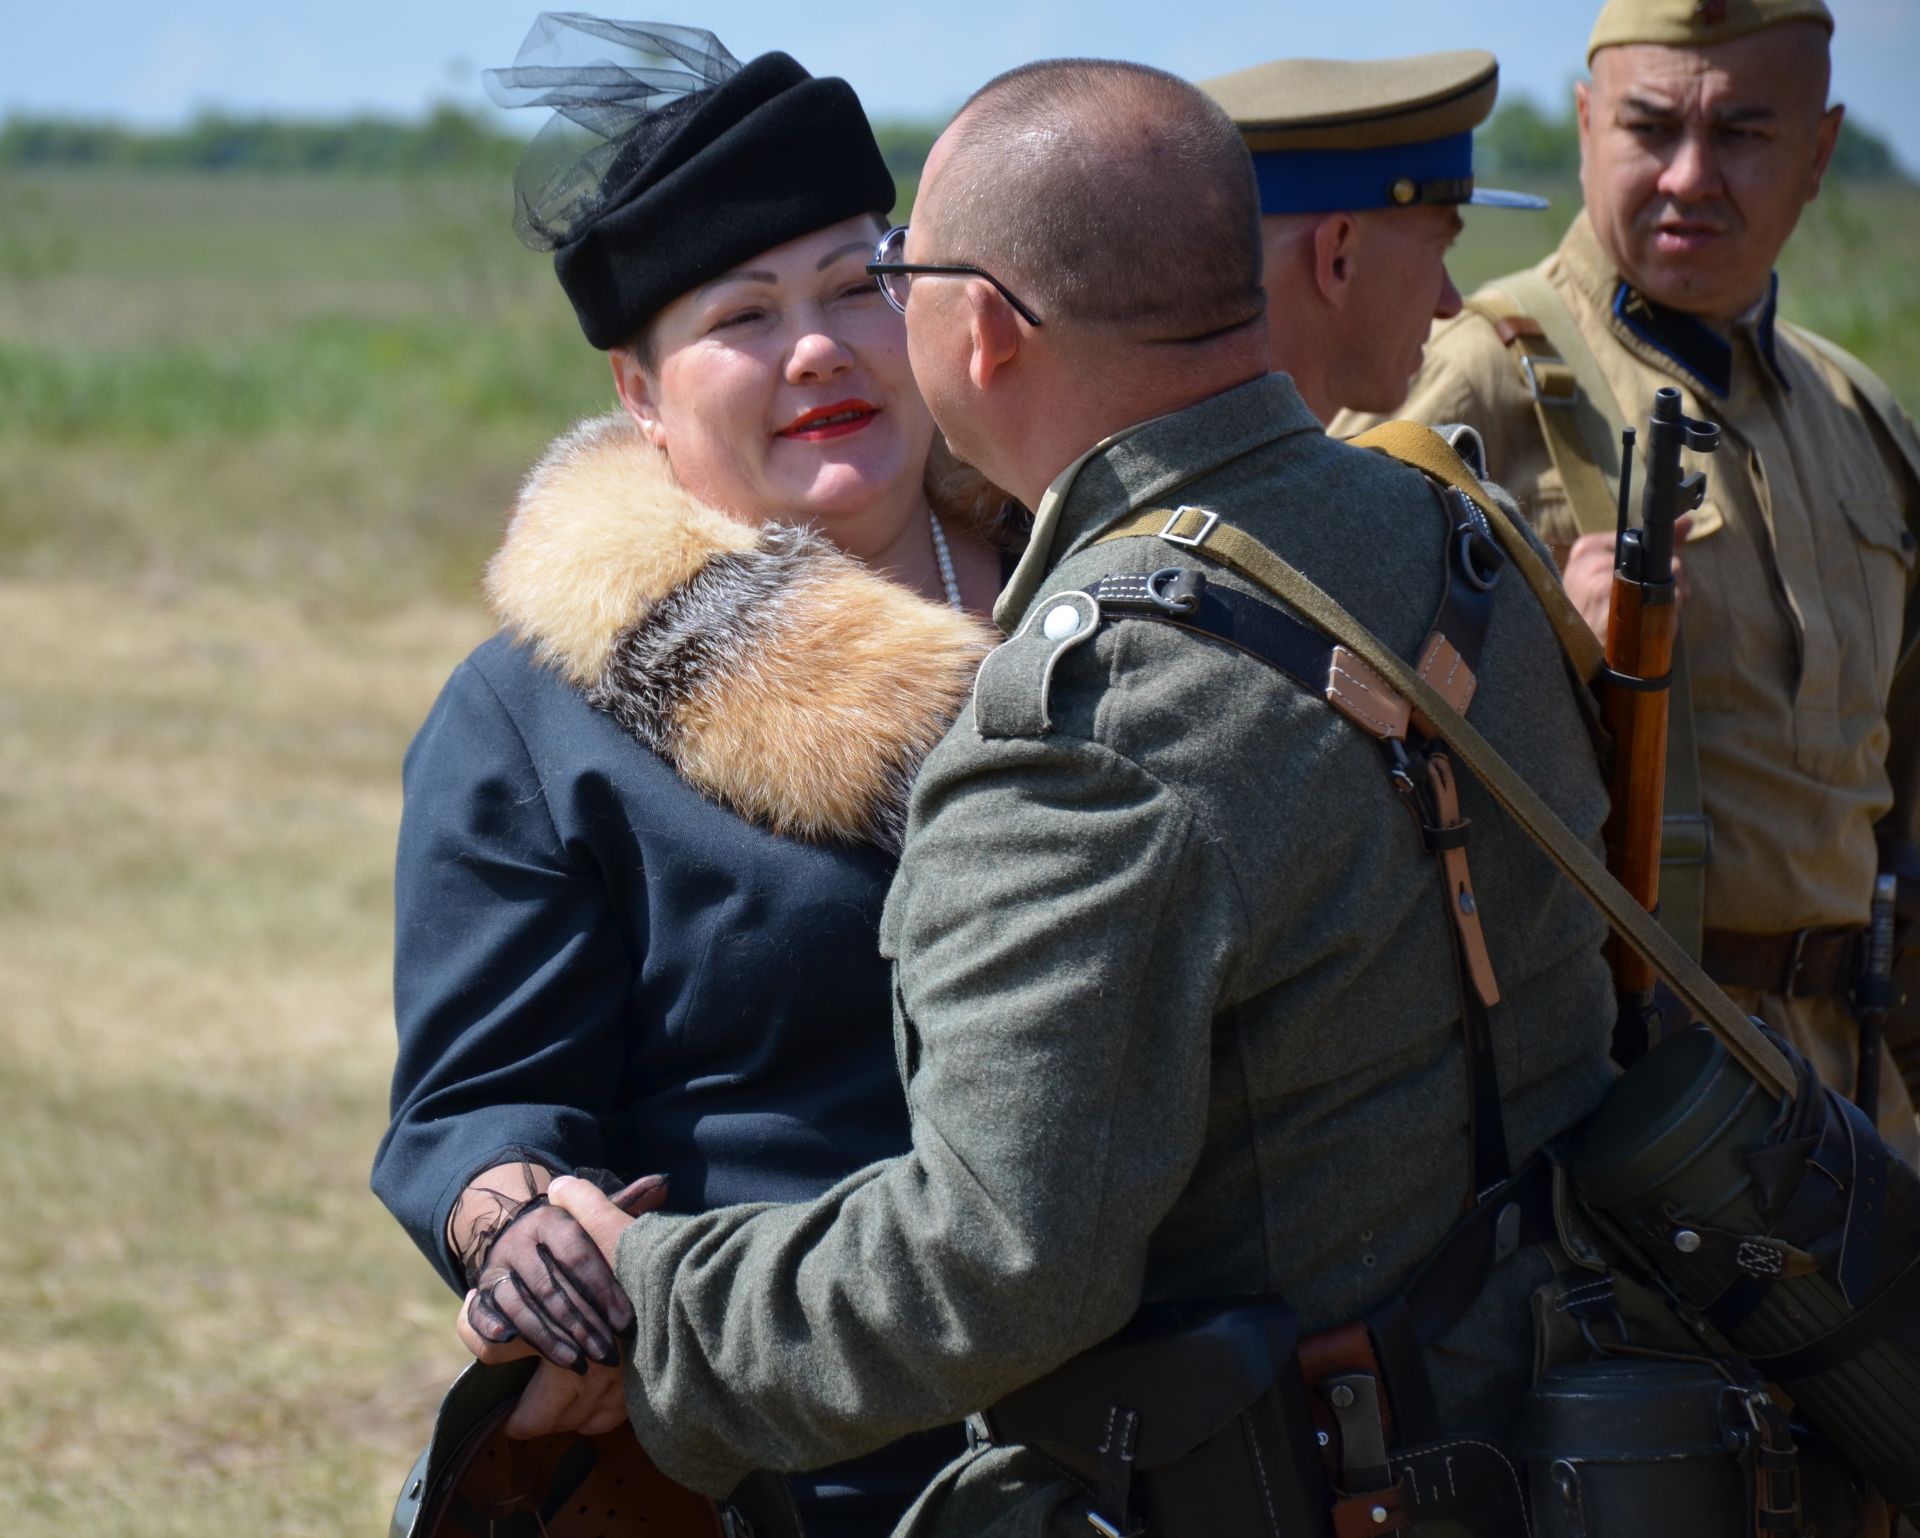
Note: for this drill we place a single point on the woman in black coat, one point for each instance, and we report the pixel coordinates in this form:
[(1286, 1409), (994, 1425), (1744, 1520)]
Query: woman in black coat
[(648, 828)]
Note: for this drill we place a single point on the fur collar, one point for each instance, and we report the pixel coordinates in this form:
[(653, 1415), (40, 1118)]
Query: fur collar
[(777, 675)]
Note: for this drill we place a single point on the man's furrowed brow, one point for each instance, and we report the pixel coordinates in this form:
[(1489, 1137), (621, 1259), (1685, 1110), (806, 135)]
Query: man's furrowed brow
[(1647, 106)]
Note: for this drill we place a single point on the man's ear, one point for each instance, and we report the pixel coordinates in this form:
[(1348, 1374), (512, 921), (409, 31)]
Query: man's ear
[(636, 394), (993, 333), (1826, 136), (1336, 241), (1583, 115)]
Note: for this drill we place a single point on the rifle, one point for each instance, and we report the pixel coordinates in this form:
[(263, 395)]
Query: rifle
[(1633, 690)]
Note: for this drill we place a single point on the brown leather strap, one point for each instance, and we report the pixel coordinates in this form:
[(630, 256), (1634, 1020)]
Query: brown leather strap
[(1461, 903), (1801, 964)]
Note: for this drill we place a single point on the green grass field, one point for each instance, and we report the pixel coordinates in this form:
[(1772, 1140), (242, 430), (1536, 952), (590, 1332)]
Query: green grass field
[(255, 440)]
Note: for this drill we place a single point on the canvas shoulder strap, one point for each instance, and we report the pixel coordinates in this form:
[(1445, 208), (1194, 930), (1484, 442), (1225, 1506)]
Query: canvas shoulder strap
[(1239, 550), (1419, 446), (1578, 415), (1581, 420)]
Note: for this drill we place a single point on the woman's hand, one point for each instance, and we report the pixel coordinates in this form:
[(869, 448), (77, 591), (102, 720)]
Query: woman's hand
[(544, 1282)]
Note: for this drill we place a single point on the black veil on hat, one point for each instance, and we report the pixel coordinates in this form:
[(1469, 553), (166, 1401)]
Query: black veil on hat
[(668, 162)]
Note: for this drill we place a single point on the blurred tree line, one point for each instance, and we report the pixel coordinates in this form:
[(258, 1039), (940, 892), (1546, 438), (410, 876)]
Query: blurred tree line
[(1518, 137), (449, 138)]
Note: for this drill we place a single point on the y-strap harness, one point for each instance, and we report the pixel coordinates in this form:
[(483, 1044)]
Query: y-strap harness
[(1417, 765), (1417, 714)]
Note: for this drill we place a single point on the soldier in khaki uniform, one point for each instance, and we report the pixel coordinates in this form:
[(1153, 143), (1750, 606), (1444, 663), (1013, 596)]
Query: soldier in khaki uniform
[(1363, 168), (1704, 133), (1177, 1007)]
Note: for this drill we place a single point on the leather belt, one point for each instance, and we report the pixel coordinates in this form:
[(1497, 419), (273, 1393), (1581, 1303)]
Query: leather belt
[(1801, 964)]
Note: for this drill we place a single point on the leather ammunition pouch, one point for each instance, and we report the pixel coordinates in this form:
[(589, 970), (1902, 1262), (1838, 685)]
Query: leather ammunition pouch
[(1190, 1423)]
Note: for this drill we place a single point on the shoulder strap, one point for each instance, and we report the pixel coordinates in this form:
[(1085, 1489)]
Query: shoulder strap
[(1425, 450), (1581, 419), (1872, 390), (1578, 415), (1254, 561)]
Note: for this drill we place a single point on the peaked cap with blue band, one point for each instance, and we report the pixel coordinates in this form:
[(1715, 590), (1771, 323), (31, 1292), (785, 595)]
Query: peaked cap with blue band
[(1343, 135)]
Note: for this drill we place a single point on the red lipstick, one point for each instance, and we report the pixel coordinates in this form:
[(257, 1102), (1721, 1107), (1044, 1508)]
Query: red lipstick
[(835, 421)]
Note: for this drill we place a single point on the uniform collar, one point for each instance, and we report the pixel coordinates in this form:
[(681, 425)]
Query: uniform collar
[(1143, 463), (1680, 340)]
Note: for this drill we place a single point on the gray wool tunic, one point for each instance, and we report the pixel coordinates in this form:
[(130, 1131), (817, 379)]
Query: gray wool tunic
[(1175, 1006)]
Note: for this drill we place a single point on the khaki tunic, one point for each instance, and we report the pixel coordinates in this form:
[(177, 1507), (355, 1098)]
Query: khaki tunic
[(1800, 618), (1175, 1005)]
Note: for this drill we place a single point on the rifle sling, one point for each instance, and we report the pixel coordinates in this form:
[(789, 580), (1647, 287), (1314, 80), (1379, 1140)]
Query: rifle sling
[(1204, 533)]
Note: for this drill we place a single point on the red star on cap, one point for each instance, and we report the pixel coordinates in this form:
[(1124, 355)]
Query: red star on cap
[(1712, 12)]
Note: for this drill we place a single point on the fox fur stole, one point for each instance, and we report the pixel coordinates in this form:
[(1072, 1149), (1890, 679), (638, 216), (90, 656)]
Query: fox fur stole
[(778, 675)]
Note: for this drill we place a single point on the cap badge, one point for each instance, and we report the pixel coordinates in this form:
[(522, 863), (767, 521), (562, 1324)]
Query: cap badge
[(1403, 191), (1710, 12)]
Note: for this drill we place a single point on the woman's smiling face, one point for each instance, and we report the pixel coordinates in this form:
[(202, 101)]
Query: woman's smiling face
[(780, 391)]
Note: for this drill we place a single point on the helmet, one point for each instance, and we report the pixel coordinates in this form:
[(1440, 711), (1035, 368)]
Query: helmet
[(474, 1482)]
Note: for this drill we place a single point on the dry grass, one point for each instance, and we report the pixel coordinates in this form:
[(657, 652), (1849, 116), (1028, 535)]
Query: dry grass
[(213, 1326)]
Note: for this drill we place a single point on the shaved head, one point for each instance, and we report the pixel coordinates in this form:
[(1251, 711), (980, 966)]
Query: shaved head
[(1103, 192)]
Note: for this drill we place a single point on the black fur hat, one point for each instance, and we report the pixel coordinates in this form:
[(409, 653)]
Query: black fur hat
[(652, 181)]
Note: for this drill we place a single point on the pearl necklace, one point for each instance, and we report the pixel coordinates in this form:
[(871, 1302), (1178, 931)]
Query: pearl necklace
[(943, 558)]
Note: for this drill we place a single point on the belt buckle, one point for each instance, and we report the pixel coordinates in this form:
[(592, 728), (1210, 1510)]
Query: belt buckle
[(1208, 519)]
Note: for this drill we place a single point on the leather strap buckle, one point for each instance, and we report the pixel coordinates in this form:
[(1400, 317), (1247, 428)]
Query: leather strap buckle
[(1208, 521), (1532, 363)]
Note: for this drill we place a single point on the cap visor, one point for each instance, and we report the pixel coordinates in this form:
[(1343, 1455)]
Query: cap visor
[(1491, 197)]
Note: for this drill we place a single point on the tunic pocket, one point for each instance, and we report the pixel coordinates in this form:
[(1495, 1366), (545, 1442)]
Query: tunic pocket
[(1884, 548)]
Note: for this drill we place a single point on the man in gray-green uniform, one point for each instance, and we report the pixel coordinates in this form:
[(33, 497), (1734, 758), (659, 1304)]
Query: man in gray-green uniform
[(1176, 994), (1363, 166), (1704, 133)]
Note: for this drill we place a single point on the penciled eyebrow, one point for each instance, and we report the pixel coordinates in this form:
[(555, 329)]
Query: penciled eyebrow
[(862, 247), (761, 275), (738, 275)]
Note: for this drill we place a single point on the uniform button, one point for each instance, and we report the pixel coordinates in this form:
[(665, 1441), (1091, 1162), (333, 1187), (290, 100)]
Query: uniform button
[(1062, 621), (1906, 539)]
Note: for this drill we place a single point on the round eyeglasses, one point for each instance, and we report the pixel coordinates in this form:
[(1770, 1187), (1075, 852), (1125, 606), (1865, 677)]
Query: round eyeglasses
[(896, 276)]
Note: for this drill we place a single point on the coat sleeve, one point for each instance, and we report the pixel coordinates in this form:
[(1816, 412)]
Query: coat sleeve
[(1062, 925), (511, 975)]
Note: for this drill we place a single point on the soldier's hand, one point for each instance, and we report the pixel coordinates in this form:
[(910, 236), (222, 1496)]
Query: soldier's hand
[(545, 1282), (603, 1218), (556, 1400), (1588, 576)]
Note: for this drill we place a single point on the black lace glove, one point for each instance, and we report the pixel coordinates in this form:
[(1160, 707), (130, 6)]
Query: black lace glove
[(538, 1276)]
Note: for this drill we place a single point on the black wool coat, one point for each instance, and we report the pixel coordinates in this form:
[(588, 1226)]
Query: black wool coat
[(647, 834)]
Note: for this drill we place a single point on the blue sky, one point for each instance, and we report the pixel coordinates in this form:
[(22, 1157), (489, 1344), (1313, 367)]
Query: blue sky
[(158, 63)]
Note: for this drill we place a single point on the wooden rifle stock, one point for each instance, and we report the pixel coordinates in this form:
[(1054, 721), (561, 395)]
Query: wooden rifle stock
[(1641, 620)]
